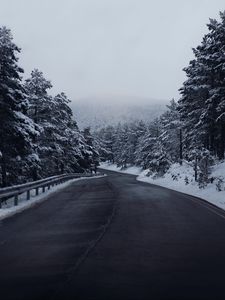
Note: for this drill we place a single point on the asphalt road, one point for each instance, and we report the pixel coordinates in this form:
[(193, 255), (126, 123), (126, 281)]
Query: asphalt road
[(114, 238)]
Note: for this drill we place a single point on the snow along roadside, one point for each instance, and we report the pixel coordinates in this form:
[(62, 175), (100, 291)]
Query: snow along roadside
[(8, 211), (209, 193)]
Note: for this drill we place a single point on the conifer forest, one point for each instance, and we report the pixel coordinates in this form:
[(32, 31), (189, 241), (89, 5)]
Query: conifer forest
[(39, 136)]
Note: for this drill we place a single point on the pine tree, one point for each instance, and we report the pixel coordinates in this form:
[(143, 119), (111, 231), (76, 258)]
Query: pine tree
[(171, 132), (60, 135), (202, 105), (17, 129), (121, 153), (40, 111), (91, 154), (104, 140)]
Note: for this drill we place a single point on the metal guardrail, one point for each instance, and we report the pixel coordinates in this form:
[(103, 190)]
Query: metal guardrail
[(43, 184)]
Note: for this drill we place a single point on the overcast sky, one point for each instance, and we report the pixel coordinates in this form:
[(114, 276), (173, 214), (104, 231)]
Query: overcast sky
[(91, 48)]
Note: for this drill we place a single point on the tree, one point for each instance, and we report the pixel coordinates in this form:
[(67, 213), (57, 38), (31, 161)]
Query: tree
[(17, 130), (91, 155), (202, 105), (40, 111), (171, 132), (104, 141)]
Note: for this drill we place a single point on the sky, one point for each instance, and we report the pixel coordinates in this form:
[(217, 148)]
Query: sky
[(94, 49)]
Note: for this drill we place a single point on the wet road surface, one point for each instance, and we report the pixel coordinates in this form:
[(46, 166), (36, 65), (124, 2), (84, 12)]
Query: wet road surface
[(114, 238)]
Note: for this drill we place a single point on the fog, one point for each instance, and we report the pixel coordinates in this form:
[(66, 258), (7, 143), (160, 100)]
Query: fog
[(109, 49)]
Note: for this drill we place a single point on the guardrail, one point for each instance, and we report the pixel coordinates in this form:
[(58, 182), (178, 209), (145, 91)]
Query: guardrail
[(43, 184)]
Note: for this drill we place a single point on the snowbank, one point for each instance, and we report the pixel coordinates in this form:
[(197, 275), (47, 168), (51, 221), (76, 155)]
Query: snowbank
[(130, 170), (8, 209), (181, 179)]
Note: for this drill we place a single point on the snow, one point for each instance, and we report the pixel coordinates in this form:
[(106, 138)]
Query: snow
[(28, 123), (181, 179), (112, 167), (8, 209)]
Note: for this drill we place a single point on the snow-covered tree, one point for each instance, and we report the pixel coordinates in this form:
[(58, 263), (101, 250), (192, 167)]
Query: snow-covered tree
[(171, 132), (40, 110), (17, 130), (90, 153), (105, 140), (202, 105)]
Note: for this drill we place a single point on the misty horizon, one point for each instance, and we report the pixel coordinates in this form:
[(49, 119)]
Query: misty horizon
[(119, 100)]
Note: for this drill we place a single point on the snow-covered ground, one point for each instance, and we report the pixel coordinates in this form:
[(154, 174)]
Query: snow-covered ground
[(8, 209), (181, 178), (130, 170)]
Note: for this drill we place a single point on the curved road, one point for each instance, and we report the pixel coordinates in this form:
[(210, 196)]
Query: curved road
[(114, 238)]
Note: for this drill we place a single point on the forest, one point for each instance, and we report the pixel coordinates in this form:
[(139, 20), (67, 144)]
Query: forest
[(38, 134), (192, 128)]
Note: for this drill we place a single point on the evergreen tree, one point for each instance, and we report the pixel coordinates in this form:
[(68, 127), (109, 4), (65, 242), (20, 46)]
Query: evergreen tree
[(202, 105), (40, 110), (91, 155), (171, 132), (62, 136), (17, 129)]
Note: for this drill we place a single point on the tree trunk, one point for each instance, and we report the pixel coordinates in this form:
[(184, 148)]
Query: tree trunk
[(4, 173), (196, 168), (222, 142), (212, 143), (61, 168), (181, 146), (34, 174)]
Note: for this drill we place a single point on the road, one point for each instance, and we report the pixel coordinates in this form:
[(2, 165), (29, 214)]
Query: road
[(114, 238)]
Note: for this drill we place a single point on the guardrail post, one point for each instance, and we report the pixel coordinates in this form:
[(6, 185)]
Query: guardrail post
[(37, 190), (28, 195), (43, 189), (16, 200), (49, 187)]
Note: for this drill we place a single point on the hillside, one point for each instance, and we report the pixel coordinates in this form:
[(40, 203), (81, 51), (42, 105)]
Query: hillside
[(97, 113)]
